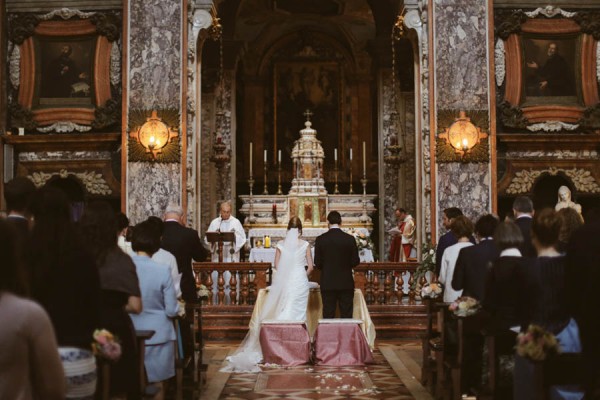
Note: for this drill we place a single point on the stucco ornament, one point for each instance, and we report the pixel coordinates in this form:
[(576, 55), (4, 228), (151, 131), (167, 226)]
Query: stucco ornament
[(549, 12), (94, 182), (500, 62), (582, 180), (552, 126)]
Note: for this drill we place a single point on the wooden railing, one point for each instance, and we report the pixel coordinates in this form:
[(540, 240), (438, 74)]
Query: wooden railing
[(253, 276), (382, 283)]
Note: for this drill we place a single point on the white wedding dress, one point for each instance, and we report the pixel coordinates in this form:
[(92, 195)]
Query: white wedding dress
[(287, 301)]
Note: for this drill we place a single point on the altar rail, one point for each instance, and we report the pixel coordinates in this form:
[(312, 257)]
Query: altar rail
[(252, 277), (382, 283)]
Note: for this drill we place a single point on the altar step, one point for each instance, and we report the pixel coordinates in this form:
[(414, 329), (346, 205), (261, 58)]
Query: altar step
[(391, 321)]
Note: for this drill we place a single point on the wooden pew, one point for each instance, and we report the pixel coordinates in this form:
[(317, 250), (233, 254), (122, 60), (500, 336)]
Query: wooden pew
[(147, 391), (498, 343), (560, 369), (103, 386), (431, 343)]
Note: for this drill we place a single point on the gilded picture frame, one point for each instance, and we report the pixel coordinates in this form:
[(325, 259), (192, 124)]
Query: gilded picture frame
[(550, 72), (65, 73)]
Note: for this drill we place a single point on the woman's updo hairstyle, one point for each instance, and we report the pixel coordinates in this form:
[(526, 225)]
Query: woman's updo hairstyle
[(295, 223)]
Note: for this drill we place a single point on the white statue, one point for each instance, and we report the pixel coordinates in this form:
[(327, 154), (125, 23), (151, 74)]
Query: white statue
[(564, 200)]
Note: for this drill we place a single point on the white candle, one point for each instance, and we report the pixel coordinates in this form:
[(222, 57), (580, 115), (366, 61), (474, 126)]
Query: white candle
[(265, 156), (364, 159), (350, 153), (279, 156), (335, 154), (250, 158)]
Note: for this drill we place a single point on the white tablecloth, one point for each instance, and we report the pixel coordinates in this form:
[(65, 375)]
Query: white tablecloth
[(261, 254)]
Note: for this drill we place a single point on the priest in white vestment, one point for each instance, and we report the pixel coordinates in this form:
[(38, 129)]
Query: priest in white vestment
[(226, 223)]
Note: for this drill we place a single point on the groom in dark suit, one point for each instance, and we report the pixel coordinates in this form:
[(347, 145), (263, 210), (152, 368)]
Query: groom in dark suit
[(335, 256)]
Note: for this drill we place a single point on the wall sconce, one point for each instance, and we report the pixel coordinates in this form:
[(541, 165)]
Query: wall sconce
[(154, 137), (463, 135)]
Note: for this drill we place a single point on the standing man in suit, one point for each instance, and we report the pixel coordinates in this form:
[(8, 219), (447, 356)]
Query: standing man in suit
[(473, 262), (336, 254), (447, 239), (184, 243), (523, 210)]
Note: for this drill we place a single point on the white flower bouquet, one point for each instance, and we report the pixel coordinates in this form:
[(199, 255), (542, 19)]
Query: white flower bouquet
[(432, 290), (465, 306)]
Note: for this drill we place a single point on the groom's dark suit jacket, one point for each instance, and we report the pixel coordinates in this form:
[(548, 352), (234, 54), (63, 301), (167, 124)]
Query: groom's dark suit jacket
[(335, 255)]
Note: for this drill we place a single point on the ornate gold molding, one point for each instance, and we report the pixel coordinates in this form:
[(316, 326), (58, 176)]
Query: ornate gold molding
[(93, 182), (582, 179)]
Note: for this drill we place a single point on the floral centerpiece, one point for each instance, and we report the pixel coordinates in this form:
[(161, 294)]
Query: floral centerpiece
[(465, 306), (432, 290), (536, 343), (106, 345)]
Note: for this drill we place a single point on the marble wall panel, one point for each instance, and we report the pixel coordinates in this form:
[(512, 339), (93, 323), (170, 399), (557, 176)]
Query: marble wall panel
[(460, 54), (154, 81), (465, 186)]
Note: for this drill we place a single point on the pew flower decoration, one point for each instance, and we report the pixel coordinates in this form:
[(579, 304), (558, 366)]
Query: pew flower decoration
[(106, 345), (427, 264), (431, 290), (465, 306), (203, 292), (536, 343), (180, 308)]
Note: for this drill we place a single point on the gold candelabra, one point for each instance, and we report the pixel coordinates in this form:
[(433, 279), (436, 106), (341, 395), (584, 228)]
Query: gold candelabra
[(364, 217), (351, 190), (251, 218)]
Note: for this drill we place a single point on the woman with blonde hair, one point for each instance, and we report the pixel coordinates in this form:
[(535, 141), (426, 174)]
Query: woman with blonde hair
[(287, 299)]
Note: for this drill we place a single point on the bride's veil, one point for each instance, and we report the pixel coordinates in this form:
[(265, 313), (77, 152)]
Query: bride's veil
[(249, 353)]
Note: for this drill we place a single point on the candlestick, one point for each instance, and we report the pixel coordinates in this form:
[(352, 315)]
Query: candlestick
[(364, 159), (279, 156), (265, 190), (335, 154), (265, 156), (350, 153), (336, 189), (279, 191), (350, 190), (250, 160), (251, 217), (364, 218)]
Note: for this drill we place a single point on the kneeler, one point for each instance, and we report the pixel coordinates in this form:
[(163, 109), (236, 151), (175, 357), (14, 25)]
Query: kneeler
[(285, 342)]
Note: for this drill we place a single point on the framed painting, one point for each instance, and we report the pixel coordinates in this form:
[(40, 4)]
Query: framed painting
[(65, 73), (313, 86), (550, 66)]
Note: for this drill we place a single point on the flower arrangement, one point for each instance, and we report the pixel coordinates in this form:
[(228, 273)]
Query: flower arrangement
[(427, 264), (363, 240), (180, 308), (464, 306), (202, 292), (106, 345), (536, 343), (431, 290)]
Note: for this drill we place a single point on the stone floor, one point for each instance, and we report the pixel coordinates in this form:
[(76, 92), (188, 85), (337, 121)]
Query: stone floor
[(395, 375)]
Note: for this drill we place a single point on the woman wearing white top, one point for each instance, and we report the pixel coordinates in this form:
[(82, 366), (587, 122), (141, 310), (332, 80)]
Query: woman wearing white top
[(462, 228)]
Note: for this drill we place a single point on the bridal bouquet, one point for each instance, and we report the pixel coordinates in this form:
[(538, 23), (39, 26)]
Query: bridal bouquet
[(431, 290), (536, 343), (465, 306), (106, 345)]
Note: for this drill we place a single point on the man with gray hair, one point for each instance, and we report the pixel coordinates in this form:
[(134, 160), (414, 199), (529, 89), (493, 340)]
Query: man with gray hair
[(184, 243), (226, 222)]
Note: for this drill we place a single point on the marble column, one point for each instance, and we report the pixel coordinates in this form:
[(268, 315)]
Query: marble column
[(461, 82), (155, 71)]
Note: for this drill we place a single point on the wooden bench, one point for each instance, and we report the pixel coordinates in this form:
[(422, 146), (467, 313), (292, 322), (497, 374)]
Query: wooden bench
[(147, 391), (560, 369), (431, 343)]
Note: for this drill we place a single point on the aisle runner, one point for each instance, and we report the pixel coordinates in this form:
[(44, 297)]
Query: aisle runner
[(376, 381)]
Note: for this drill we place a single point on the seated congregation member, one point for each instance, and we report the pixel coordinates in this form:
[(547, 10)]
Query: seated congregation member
[(64, 280), (462, 228), (548, 305), (448, 238), (29, 362), (122, 232), (473, 262), (523, 212), (164, 257), (160, 305), (507, 286), (119, 294)]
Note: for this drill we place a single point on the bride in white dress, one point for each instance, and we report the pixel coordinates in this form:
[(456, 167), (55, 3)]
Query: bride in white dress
[(287, 299)]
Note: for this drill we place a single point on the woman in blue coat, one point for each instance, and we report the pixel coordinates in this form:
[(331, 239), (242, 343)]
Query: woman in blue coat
[(159, 305)]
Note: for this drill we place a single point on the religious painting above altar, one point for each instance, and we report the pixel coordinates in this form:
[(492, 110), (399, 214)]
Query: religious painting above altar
[(307, 85)]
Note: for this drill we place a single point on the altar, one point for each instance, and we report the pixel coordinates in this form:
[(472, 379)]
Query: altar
[(308, 199)]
